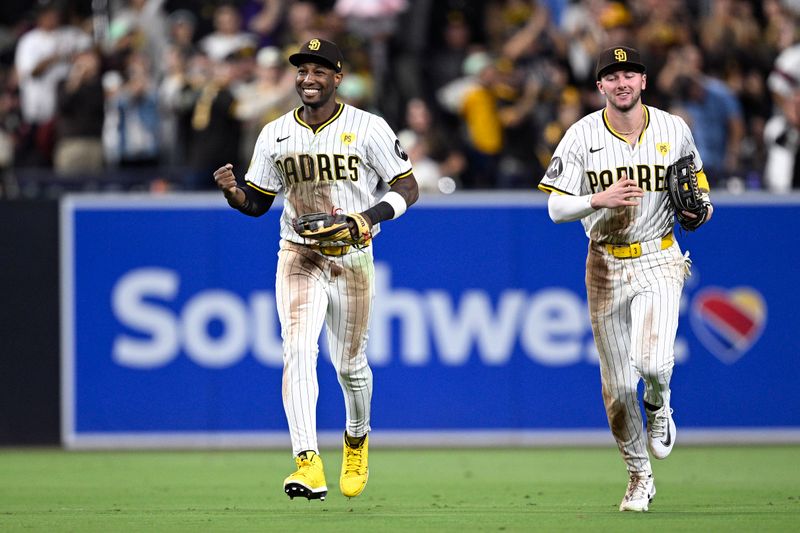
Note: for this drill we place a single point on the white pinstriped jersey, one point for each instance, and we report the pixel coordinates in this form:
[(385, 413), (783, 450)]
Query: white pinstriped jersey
[(340, 166), (592, 156)]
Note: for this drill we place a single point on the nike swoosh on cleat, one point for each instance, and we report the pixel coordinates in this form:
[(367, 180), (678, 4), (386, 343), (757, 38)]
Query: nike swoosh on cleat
[(669, 438), (282, 139), (593, 150)]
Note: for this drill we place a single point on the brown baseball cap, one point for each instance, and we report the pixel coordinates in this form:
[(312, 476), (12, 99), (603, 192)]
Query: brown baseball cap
[(319, 51), (618, 58)]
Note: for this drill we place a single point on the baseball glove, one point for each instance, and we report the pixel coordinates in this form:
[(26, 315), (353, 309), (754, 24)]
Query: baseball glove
[(338, 229), (685, 195)]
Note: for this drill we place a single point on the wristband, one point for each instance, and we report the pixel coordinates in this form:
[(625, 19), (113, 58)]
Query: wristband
[(397, 202)]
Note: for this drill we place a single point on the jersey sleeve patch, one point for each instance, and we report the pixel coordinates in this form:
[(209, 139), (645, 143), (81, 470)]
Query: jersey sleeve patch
[(555, 168), (399, 150)]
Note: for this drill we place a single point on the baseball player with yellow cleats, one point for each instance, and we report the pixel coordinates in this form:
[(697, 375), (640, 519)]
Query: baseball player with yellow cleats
[(355, 465), (342, 173), (309, 480)]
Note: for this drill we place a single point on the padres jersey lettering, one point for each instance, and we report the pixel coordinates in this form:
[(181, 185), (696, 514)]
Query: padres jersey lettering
[(651, 178), (322, 167)]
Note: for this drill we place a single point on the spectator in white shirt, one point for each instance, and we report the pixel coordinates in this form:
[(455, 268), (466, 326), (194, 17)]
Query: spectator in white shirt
[(42, 60), (228, 37)]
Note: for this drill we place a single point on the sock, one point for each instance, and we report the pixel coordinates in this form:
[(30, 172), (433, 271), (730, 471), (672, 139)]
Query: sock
[(651, 407), (354, 442)]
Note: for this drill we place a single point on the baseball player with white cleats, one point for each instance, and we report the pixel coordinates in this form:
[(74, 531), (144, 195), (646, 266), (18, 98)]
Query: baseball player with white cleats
[(609, 172), (326, 157)]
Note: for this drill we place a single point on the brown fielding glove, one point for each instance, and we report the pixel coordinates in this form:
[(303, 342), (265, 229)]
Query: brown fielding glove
[(352, 228), (684, 194)]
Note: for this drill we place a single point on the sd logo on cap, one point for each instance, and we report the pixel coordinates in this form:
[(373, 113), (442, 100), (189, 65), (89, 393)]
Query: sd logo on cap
[(618, 58), (319, 51)]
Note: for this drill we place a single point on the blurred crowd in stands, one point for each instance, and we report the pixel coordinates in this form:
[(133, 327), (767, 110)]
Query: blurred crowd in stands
[(479, 91)]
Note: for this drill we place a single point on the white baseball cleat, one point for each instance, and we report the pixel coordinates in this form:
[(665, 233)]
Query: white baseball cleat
[(661, 431), (641, 491)]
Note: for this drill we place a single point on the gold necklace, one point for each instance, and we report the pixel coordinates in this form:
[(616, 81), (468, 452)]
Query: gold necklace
[(628, 132), (636, 129)]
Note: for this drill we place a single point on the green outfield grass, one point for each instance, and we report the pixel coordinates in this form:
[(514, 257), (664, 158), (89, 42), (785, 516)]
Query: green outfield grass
[(699, 489)]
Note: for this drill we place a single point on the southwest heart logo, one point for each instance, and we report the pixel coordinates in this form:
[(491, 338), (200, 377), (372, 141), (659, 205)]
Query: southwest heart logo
[(728, 322)]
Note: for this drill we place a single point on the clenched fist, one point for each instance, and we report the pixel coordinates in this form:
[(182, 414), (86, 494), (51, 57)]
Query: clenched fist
[(226, 182)]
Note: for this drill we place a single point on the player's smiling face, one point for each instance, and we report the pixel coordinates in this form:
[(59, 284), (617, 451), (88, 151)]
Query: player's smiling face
[(316, 83), (623, 88)]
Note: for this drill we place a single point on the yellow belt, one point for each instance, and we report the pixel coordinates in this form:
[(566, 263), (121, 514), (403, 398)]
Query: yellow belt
[(634, 249), (333, 251)]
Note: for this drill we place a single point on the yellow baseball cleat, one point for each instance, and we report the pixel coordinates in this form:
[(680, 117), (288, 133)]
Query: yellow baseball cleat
[(309, 480), (355, 469)]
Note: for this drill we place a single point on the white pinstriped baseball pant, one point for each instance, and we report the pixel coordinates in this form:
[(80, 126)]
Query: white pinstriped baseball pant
[(312, 289), (634, 305)]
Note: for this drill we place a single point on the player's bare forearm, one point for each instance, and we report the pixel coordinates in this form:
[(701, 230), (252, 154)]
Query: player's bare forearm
[(406, 193), (407, 188)]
